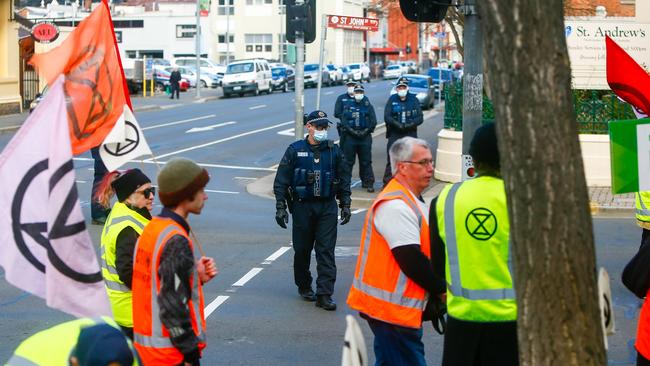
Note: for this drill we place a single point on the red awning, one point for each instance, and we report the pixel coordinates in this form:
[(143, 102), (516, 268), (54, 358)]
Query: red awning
[(385, 50)]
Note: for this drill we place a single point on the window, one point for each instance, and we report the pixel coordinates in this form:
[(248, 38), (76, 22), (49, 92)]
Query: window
[(118, 36), (222, 38), (258, 2), (259, 42), (185, 30), (282, 41), (225, 7)]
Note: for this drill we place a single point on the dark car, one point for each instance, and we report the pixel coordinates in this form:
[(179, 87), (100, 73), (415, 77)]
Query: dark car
[(442, 77), (282, 78), (423, 88)]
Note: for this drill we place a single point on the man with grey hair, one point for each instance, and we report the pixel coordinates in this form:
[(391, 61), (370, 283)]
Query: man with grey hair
[(394, 275)]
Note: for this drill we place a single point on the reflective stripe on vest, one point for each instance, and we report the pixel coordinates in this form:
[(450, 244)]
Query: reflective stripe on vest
[(642, 212), (456, 286), (16, 360)]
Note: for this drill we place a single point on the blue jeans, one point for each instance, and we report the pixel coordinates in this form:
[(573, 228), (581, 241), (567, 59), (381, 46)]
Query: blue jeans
[(97, 211), (395, 345)]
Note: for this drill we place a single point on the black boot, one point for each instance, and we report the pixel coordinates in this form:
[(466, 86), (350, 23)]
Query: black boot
[(307, 294), (325, 302)]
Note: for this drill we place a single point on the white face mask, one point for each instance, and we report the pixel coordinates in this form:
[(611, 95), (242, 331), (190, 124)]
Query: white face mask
[(351, 90), (402, 93), (320, 136), (358, 97)]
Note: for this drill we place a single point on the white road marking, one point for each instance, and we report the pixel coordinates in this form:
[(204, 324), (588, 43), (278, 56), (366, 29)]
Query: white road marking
[(209, 128), (257, 107), (245, 178), (287, 132), (278, 253), (81, 181), (205, 165), (247, 277), (214, 305), (329, 92), (355, 183), (222, 140), (178, 122), (224, 192), (360, 210)]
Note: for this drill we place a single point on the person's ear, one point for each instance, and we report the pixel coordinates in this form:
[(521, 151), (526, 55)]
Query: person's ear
[(74, 361)]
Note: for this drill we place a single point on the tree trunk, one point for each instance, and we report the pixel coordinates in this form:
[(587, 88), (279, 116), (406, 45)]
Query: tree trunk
[(551, 229)]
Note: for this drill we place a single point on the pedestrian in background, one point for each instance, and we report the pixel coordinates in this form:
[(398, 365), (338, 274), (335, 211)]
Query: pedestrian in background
[(98, 213), (312, 174), (80, 342), (402, 115), (394, 274), (174, 82), (170, 271), (128, 217), (358, 121), (470, 228)]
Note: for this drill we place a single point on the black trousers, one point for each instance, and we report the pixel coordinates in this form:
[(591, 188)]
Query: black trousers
[(480, 344), (361, 147), (388, 174), (97, 211), (641, 361), (314, 228), (175, 88)]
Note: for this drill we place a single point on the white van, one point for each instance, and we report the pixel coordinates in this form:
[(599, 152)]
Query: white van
[(246, 76)]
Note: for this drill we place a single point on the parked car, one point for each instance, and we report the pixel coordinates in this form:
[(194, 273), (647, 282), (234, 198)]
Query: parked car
[(346, 74), (360, 71), (311, 75), (335, 73), (440, 76), (246, 76), (283, 78), (161, 81), (392, 71), (207, 79), (208, 68), (423, 88)]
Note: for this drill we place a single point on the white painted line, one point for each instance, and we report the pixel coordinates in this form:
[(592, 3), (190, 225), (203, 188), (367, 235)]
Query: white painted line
[(206, 165), (210, 128), (329, 92), (355, 183), (278, 253), (257, 107), (247, 277), (178, 122), (245, 178), (224, 192), (360, 210), (81, 181), (287, 132), (222, 140), (170, 106), (214, 305)]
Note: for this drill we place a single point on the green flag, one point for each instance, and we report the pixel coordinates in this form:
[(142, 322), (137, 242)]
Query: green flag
[(630, 155)]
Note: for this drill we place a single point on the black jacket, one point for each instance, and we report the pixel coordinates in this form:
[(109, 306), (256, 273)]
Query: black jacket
[(175, 77)]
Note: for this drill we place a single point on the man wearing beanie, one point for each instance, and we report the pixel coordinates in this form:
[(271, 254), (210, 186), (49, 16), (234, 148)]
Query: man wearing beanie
[(469, 227), (169, 271)]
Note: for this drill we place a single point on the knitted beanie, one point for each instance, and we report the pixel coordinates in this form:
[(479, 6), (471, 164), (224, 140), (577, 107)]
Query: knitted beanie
[(128, 182), (179, 180), (484, 148)]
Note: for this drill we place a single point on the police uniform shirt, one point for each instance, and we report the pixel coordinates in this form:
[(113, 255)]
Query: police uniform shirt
[(397, 223)]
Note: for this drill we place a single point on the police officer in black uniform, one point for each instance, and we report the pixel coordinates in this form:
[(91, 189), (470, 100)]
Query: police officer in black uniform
[(358, 121), (313, 173), (344, 99), (402, 115)]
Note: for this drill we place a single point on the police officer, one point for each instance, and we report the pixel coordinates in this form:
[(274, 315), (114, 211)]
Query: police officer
[(402, 115), (313, 173), (358, 121), (469, 225), (341, 102)]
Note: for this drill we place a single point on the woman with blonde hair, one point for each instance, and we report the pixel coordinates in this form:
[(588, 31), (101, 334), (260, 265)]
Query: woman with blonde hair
[(127, 218)]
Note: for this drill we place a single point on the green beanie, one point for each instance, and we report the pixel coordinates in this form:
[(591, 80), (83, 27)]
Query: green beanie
[(179, 180)]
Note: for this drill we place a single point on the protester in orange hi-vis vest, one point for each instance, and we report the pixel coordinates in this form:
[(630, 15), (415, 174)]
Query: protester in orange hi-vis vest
[(168, 320), (394, 276)]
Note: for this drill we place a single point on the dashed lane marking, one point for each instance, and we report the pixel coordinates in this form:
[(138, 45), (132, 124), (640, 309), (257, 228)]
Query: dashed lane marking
[(223, 192), (178, 122), (357, 211), (247, 277), (205, 165), (257, 107), (278, 253), (214, 305)]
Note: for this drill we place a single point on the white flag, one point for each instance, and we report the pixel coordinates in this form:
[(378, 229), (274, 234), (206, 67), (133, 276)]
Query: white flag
[(44, 245), (124, 143)]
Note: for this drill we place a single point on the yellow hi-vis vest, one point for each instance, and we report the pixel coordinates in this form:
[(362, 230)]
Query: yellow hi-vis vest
[(642, 203), (119, 294), (473, 223), (53, 346)]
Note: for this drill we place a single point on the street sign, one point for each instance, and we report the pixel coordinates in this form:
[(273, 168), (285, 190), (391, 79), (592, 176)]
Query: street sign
[(45, 32), (467, 170), (354, 23), (630, 155)]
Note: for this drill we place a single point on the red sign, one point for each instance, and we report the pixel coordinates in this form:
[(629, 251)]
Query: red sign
[(45, 32), (354, 23)]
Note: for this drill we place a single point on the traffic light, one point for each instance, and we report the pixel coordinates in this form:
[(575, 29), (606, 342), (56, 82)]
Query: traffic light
[(301, 17), (428, 11)]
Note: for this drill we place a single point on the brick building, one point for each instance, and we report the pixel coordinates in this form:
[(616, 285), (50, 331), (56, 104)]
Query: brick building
[(614, 8)]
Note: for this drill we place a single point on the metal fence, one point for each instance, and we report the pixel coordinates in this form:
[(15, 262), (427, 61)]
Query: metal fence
[(594, 109)]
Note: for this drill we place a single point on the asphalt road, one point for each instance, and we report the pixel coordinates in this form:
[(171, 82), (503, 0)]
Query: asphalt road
[(254, 315)]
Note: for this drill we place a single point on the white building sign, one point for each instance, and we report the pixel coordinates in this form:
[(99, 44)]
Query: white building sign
[(586, 44)]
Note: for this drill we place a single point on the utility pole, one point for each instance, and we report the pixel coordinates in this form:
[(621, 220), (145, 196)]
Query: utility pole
[(323, 36), (472, 78), (299, 79), (228, 9), (197, 35)]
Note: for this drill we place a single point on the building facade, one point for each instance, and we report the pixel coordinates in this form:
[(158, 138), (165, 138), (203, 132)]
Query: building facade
[(10, 99)]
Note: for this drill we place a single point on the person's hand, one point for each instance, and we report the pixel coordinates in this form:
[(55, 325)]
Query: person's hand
[(282, 217), (206, 268), (345, 215)]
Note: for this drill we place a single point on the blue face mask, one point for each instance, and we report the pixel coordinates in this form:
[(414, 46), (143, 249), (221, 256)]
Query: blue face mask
[(320, 136)]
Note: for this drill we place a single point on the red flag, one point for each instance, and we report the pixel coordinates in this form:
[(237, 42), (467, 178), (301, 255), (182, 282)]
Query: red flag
[(94, 83), (626, 77)]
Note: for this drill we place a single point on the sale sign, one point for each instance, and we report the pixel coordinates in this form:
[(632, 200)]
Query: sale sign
[(354, 23)]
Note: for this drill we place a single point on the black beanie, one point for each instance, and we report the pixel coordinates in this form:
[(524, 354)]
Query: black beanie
[(484, 148), (128, 182)]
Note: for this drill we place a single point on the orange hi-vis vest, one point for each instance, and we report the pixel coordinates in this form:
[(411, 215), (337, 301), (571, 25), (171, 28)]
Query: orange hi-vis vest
[(380, 289), (150, 336), (642, 343)]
